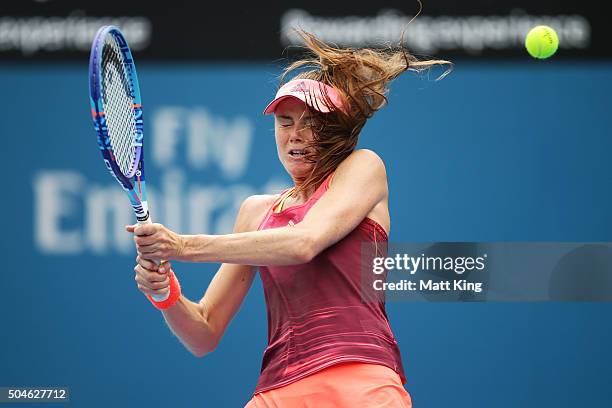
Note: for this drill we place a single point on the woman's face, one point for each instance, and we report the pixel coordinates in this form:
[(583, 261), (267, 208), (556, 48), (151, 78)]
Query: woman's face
[(293, 133)]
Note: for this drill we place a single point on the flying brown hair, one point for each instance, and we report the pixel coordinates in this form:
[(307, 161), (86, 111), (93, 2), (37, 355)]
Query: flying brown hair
[(362, 77)]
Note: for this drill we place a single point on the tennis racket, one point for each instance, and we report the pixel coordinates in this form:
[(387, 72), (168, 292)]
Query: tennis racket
[(116, 110)]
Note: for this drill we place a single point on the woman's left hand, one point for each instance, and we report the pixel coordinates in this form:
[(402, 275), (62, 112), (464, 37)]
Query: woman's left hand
[(154, 241)]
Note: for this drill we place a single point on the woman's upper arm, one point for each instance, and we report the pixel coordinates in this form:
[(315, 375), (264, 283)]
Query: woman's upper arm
[(359, 183), (231, 283)]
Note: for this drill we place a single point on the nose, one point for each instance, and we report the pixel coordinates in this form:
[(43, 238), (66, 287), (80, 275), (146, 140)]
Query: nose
[(296, 135)]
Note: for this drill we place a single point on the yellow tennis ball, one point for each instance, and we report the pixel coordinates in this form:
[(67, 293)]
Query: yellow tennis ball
[(541, 42)]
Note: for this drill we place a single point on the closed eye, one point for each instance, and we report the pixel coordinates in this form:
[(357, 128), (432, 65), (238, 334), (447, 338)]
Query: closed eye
[(284, 121)]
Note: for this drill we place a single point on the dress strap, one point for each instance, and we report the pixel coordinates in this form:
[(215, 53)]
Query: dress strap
[(279, 204)]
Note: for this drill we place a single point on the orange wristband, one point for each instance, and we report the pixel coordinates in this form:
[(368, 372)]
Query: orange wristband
[(175, 294)]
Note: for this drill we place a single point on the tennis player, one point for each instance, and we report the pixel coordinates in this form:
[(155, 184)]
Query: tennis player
[(328, 346)]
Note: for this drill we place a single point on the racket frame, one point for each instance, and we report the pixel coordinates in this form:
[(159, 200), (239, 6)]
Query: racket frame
[(134, 182)]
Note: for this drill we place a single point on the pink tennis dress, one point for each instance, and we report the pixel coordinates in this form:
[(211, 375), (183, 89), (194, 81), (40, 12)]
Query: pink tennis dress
[(317, 317)]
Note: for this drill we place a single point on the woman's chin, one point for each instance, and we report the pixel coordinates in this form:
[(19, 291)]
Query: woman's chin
[(298, 169)]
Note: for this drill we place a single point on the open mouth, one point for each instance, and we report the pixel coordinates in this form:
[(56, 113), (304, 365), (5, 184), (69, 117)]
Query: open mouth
[(297, 152)]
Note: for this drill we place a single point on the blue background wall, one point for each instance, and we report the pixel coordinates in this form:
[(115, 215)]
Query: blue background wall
[(493, 152)]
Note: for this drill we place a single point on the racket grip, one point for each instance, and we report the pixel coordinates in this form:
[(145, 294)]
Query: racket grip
[(164, 296)]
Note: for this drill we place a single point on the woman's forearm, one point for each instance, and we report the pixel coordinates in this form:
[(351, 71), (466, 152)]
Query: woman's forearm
[(188, 323), (277, 246)]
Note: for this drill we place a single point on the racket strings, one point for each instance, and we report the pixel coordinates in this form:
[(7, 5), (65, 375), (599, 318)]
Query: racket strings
[(118, 106)]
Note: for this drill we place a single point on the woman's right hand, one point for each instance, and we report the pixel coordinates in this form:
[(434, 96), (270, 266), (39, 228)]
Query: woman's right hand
[(152, 279)]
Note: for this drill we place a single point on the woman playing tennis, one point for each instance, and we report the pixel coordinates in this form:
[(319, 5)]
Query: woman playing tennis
[(328, 345)]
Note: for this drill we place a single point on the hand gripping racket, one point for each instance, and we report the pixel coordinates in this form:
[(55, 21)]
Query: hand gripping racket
[(117, 115)]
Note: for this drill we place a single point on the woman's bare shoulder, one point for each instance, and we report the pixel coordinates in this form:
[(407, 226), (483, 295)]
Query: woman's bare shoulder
[(364, 163), (252, 211), (365, 156)]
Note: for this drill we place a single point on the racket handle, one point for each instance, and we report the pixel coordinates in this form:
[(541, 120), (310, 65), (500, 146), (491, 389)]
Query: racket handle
[(164, 296)]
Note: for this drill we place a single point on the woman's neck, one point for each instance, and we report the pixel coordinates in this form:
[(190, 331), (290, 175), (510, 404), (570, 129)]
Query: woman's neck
[(299, 197)]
